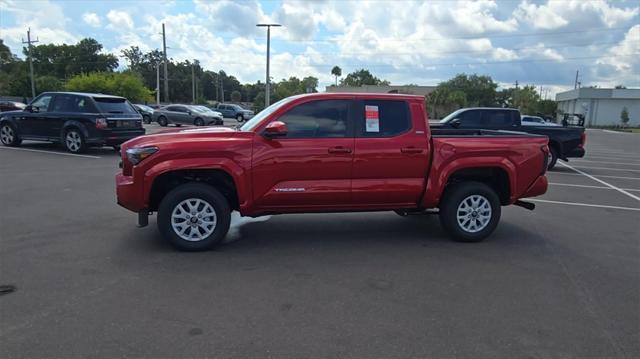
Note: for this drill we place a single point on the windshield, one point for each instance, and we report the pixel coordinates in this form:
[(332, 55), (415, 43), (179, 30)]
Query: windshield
[(451, 116), (114, 105), (253, 123)]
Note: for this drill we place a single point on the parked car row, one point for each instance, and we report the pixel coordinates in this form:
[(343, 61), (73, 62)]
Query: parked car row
[(198, 115)]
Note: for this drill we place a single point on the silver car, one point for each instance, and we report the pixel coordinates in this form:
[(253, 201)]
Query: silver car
[(187, 115)]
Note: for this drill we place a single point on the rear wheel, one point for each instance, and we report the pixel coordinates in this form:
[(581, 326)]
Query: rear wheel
[(554, 158), (162, 121), (74, 141), (470, 211), (194, 217), (198, 122), (8, 136)]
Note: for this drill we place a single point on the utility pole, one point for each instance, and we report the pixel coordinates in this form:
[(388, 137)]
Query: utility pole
[(29, 42), (158, 83), (515, 95), (166, 73), (575, 84), (193, 83), (267, 85)]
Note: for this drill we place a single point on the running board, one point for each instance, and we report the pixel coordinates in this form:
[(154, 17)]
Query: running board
[(526, 205)]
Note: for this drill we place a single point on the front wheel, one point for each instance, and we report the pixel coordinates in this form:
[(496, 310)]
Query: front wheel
[(198, 122), (240, 118), (470, 211), (8, 136), (146, 119), (162, 121), (194, 217), (74, 141)]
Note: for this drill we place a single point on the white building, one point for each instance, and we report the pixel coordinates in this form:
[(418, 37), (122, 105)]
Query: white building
[(601, 107)]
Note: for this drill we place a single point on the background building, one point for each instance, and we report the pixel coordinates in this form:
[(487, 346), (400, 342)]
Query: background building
[(601, 107), (406, 89)]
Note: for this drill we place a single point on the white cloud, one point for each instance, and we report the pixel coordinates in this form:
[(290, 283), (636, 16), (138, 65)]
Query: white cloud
[(120, 20), (621, 63), (539, 51), (233, 17), (540, 17), (557, 14), (91, 19)]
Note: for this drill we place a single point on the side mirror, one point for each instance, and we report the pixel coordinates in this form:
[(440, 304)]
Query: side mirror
[(275, 129), (189, 112), (455, 123), (32, 109)]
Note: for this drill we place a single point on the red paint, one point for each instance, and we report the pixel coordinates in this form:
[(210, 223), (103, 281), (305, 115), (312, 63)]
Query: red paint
[(285, 175)]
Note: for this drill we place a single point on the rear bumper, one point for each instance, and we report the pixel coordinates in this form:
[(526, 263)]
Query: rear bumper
[(111, 138), (538, 188), (576, 152)]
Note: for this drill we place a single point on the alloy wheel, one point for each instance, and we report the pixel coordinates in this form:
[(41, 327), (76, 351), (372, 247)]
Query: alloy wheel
[(474, 213), (193, 219), (7, 135)]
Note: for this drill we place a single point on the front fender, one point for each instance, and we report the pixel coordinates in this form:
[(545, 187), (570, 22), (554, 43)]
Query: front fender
[(237, 173)]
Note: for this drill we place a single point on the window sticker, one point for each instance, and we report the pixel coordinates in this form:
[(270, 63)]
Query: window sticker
[(372, 119)]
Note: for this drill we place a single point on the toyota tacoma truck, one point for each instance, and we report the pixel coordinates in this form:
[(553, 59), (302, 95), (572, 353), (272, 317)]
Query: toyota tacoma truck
[(564, 141), (329, 152)]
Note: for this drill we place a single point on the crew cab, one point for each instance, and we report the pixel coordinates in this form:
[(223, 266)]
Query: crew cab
[(329, 152), (77, 120), (564, 141)]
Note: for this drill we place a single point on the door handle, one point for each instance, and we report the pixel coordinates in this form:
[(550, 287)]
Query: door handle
[(339, 149), (411, 150)]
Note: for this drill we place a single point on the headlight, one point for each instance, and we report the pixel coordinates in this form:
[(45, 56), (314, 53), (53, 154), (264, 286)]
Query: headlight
[(136, 155)]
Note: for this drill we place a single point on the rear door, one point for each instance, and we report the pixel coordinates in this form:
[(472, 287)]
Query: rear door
[(311, 166), (178, 114), (67, 107), (391, 154), (498, 119)]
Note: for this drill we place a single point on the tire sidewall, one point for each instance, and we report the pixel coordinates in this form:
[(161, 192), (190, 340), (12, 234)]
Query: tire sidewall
[(449, 208), (198, 122), (83, 142), (16, 139), (146, 119), (162, 121), (204, 192), (554, 158), (240, 118)]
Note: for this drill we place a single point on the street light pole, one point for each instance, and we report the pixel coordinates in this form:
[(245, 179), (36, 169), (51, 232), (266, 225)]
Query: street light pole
[(268, 82), (158, 83)]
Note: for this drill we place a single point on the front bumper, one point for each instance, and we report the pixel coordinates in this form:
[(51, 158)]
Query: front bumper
[(127, 193)]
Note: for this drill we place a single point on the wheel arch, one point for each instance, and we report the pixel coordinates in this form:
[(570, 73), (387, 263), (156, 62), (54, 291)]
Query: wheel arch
[(495, 177), (74, 124)]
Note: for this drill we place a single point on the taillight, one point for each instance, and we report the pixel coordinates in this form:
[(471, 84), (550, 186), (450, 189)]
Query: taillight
[(583, 139), (101, 122), (545, 162)]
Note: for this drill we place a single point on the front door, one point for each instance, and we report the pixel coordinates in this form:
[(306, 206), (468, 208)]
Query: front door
[(391, 155), (31, 121), (310, 167)]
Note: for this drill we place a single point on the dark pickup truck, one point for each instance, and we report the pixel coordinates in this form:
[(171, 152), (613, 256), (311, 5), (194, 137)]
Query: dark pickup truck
[(564, 141)]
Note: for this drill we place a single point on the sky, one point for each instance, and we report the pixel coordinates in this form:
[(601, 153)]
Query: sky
[(541, 43)]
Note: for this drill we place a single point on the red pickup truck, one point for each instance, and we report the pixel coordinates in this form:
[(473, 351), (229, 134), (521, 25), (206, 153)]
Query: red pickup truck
[(329, 152)]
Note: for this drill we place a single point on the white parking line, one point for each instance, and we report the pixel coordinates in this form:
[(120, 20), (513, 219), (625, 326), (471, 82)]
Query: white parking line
[(578, 174), (583, 204), (49, 152), (607, 162), (618, 132), (607, 158), (587, 186), (603, 182), (604, 168)]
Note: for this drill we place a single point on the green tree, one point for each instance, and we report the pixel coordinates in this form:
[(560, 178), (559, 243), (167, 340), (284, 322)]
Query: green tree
[(125, 84), (236, 96), (624, 116), (337, 72), (48, 83), (362, 77)]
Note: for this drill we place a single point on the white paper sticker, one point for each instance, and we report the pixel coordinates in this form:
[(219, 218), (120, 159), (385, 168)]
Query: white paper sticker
[(372, 119)]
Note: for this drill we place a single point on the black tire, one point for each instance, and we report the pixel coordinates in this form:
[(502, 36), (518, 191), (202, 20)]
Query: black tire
[(74, 140), (554, 158), (200, 192), (240, 118), (453, 199), (162, 121), (198, 122), (9, 135), (146, 119)]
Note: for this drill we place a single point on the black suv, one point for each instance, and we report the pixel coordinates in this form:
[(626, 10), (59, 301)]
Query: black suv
[(77, 120)]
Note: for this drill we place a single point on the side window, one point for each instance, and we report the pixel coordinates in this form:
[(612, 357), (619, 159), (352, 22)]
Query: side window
[(383, 118), (42, 103), (72, 103), (470, 119), (497, 119), (317, 119), (173, 109)]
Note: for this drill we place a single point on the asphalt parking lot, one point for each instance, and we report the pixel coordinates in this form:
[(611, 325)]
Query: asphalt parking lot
[(561, 281)]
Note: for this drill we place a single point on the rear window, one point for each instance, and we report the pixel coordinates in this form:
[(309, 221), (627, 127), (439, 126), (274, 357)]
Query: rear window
[(114, 105)]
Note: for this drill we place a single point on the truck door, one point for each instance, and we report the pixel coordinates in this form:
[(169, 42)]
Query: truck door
[(311, 165), (31, 123), (391, 155)]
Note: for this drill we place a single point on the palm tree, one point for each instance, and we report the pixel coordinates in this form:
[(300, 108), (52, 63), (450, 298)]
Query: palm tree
[(337, 72)]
